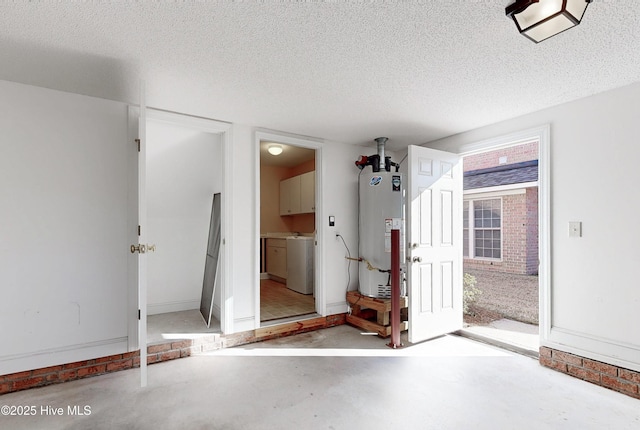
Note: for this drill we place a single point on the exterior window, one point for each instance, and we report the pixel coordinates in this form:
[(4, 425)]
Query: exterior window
[(484, 237)]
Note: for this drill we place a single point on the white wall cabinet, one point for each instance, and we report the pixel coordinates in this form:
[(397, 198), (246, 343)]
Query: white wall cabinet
[(277, 257), (308, 192), (290, 196), (297, 194)]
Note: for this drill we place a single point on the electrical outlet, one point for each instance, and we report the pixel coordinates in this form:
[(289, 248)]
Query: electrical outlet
[(575, 229)]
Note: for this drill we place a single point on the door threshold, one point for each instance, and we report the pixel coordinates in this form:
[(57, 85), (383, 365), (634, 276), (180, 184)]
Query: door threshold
[(286, 320), (519, 349)]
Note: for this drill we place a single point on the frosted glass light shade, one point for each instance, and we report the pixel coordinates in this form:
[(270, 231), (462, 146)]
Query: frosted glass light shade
[(540, 19), (275, 149)]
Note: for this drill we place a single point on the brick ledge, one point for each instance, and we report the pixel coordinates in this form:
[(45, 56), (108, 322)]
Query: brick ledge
[(615, 378), (156, 353)]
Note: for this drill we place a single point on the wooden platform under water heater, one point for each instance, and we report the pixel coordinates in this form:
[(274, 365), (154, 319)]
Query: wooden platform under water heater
[(373, 314)]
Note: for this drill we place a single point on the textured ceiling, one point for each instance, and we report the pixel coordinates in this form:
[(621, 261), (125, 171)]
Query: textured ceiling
[(413, 71)]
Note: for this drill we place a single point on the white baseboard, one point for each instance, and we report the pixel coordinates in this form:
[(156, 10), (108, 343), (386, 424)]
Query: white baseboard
[(336, 308), (244, 324), (216, 311), (56, 356), (166, 307), (605, 350)]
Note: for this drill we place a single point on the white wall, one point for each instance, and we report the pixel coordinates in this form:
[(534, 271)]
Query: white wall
[(243, 236), (340, 199), (594, 156), (67, 185), (184, 170), (64, 162)]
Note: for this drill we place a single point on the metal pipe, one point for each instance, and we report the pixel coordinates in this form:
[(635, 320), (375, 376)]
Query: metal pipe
[(381, 141), (395, 290)]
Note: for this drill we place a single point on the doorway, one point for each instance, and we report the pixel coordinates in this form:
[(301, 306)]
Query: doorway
[(505, 233), (288, 287), (183, 173)]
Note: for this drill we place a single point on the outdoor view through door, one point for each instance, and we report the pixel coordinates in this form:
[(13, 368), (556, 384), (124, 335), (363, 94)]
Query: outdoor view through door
[(500, 233), (287, 232)]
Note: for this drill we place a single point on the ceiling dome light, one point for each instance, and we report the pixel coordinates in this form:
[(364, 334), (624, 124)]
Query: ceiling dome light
[(275, 149), (540, 19)]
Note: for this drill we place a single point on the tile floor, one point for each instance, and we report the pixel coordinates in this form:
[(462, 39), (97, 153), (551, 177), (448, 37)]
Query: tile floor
[(277, 301)]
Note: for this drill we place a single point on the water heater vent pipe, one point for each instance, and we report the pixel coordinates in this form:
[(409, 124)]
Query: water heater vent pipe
[(381, 141)]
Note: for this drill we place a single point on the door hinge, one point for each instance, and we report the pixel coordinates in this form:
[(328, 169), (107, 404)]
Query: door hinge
[(138, 314), (138, 142), (138, 230)]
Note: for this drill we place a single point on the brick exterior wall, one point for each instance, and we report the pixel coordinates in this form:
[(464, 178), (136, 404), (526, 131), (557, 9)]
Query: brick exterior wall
[(520, 215), (514, 154), (156, 353), (519, 236), (606, 375), (532, 231)]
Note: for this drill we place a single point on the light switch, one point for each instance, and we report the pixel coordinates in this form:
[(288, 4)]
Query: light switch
[(332, 221), (575, 229)]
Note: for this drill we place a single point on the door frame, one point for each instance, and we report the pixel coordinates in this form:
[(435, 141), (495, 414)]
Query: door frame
[(224, 130), (303, 142), (543, 135)]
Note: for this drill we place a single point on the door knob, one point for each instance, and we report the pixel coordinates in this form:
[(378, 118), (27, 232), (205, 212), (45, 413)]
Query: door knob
[(138, 248), (417, 259), (414, 245)]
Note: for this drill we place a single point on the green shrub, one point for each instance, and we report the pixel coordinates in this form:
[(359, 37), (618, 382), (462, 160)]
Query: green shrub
[(470, 292)]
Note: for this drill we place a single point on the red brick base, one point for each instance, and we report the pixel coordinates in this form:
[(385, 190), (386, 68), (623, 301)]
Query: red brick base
[(606, 375), (155, 354)]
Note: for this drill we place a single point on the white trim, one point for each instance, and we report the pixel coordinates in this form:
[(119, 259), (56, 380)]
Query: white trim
[(502, 190), (514, 139), (61, 355), (618, 353), (132, 226), (337, 308), (244, 324), (166, 307), (303, 142), (541, 134), (224, 129)]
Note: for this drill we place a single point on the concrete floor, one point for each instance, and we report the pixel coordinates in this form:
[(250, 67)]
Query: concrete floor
[(179, 325), (512, 335), (335, 379)]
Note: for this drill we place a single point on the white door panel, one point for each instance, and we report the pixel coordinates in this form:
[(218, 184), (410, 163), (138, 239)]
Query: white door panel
[(434, 206), (142, 239)]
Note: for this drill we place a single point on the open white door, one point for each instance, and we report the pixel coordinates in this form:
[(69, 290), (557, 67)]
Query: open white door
[(141, 249), (434, 241)]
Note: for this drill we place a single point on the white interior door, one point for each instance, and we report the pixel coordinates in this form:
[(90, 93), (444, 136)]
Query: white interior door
[(142, 240), (434, 241)]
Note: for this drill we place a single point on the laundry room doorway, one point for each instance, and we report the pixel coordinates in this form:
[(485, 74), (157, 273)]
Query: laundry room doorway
[(288, 252)]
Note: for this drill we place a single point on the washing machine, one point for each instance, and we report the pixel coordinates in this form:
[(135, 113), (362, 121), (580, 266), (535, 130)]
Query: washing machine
[(300, 274)]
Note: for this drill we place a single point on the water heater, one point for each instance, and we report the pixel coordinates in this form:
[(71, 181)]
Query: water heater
[(380, 211)]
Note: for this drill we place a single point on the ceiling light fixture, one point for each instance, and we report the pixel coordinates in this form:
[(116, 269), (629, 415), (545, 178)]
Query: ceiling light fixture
[(275, 149), (540, 19)]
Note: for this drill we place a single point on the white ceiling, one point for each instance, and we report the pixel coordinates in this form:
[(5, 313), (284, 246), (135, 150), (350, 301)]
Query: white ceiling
[(413, 71), (291, 155)]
